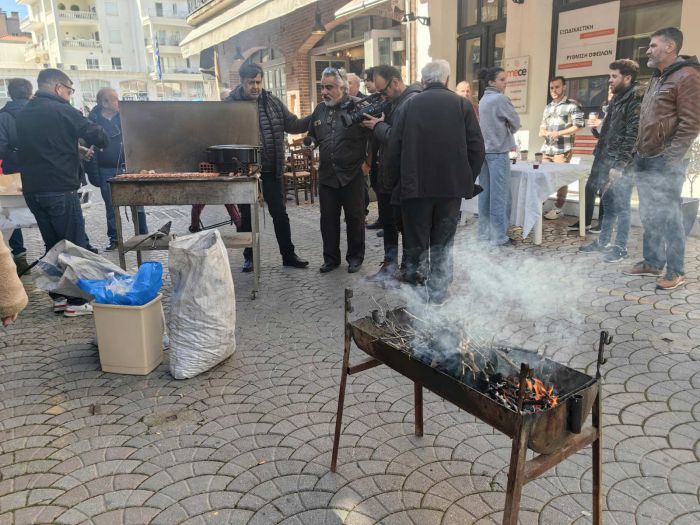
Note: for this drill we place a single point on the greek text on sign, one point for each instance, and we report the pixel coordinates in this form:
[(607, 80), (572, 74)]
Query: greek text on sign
[(587, 40), (517, 74)]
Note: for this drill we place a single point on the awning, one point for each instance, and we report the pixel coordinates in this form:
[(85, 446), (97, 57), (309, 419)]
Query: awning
[(357, 6), (244, 16)]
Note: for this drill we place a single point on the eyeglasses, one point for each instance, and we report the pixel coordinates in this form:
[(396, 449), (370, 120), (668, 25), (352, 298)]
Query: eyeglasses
[(70, 89)]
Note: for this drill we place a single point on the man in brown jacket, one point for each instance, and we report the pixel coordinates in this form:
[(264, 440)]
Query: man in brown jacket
[(668, 124)]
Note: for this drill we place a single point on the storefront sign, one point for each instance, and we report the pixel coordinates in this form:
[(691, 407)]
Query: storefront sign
[(587, 40), (517, 74)]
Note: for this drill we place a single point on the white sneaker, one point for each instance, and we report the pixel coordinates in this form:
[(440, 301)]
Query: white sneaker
[(75, 310), (59, 305), (553, 214)]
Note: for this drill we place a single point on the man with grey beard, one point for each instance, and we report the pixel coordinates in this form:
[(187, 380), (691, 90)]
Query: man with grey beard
[(669, 123), (343, 151)]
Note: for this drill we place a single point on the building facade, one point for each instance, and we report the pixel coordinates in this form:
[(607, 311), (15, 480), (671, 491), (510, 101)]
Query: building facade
[(532, 40), (102, 43)]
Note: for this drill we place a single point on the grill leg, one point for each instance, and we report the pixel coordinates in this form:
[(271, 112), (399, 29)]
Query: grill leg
[(516, 473), (135, 218), (343, 381), (597, 460), (120, 237), (418, 397)]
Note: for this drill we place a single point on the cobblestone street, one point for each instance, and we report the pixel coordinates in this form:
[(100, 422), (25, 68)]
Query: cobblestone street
[(250, 441)]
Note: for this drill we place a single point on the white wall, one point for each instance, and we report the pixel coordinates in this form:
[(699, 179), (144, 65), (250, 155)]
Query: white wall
[(439, 39)]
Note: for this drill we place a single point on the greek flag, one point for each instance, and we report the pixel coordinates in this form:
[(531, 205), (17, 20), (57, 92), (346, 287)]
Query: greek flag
[(156, 53)]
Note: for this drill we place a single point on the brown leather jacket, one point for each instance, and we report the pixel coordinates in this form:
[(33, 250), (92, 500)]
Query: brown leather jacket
[(670, 115)]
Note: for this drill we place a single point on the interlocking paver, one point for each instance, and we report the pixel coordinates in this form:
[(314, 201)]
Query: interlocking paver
[(252, 440)]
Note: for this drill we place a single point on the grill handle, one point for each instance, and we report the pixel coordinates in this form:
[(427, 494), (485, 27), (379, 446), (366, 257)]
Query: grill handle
[(575, 404)]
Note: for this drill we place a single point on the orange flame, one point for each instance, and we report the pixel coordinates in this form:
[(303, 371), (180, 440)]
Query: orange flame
[(540, 391)]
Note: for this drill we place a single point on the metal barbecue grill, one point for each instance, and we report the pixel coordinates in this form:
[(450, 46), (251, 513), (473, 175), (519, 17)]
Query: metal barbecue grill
[(494, 386)]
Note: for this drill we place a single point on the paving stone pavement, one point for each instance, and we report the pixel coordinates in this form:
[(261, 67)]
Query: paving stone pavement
[(252, 442)]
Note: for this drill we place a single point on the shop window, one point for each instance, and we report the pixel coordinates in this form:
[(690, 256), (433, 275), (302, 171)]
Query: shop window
[(636, 23), (116, 63), (474, 12), (90, 89)]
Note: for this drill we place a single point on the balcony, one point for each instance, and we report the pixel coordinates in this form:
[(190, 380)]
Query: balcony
[(165, 18), (30, 24), (35, 53), (82, 43), (177, 74), (78, 17), (169, 46)]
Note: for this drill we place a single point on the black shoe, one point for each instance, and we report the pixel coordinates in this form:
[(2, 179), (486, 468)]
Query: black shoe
[(112, 246), (328, 267), (294, 261), (92, 249), (380, 233), (376, 225), (574, 227), (247, 265), (591, 248), (354, 266)]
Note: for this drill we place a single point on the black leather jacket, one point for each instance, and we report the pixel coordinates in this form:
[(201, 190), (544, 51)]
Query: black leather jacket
[(342, 149)]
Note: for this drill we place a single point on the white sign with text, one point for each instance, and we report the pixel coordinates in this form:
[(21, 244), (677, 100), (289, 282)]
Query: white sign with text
[(517, 71), (587, 40)]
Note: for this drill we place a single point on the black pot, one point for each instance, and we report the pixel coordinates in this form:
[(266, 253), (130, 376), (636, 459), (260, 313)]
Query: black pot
[(233, 158)]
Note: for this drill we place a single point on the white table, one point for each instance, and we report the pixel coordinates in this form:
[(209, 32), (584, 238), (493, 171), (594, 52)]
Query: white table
[(14, 214), (530, 188)]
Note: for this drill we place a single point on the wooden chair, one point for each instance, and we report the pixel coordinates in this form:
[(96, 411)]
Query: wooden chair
[(300, 174)]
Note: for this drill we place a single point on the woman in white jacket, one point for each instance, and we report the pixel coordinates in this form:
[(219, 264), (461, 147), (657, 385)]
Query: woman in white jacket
[(498, 120)]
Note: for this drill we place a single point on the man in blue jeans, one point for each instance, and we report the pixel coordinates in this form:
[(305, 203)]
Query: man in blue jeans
[(48, 130), (668, 124), (109, 162), (611, 172)]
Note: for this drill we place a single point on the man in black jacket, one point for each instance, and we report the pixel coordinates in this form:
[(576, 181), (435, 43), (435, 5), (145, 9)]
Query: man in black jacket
[(20, 91), (48, 130), (611, 173), (388, 81), (275, 120), (343, 151), (436, 154), (108, 162)]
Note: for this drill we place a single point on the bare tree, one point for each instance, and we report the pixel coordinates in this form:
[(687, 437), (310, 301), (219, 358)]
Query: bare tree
[(693, 171)]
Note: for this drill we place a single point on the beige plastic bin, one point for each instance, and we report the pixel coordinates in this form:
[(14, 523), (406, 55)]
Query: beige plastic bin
[(130, 338)]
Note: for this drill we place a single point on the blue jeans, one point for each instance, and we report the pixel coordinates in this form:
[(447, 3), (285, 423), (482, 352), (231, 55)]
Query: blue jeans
[(495, 200), (106, 174), (616, 202), (16, 242), (659, 186), (58, 216)]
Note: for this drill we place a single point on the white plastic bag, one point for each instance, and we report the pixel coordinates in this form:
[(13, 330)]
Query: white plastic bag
[(65, 264), (203, 304)]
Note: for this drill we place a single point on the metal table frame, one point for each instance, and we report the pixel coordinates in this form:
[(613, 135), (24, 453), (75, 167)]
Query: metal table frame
[(186, 191)]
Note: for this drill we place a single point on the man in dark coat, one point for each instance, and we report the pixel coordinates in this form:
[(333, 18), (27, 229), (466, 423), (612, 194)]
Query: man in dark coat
[(388, 81), (108, 162), (275, 120), (48, 130), (343, 150), (436, 154), (20, 91)]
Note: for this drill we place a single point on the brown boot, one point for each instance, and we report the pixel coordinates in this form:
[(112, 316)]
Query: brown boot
[(670, 283)]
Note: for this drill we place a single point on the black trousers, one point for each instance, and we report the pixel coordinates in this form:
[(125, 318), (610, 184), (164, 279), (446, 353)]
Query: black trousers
[(593, 189), (429, 227), (277, 206), (388, 217), (350, 199)]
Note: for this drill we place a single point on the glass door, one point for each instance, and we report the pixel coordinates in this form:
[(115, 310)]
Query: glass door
[(484, 46)]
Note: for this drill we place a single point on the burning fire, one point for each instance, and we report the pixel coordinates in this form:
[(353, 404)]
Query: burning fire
[(540, 391)]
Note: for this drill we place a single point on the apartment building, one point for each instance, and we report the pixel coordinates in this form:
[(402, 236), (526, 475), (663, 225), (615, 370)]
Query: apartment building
[(110, 43)]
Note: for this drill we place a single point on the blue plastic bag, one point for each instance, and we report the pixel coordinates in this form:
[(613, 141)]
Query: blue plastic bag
[(128, 290)]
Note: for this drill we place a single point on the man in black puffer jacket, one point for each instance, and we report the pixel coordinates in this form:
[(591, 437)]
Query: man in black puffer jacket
[(275, 119)]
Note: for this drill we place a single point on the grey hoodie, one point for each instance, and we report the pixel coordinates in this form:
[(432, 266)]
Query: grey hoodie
[(498, 121)]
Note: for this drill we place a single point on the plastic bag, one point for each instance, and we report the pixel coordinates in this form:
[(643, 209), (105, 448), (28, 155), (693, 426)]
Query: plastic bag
[(202, 306), (65, 264), (128, 290)]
